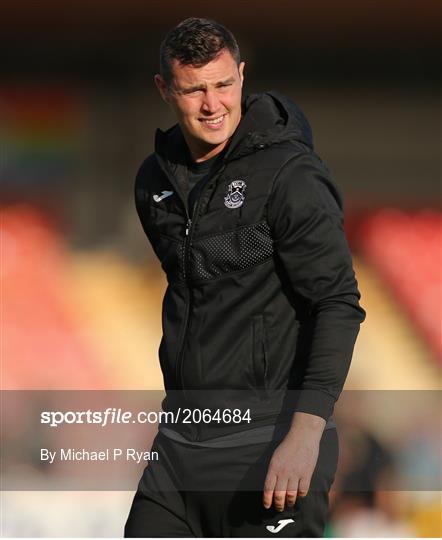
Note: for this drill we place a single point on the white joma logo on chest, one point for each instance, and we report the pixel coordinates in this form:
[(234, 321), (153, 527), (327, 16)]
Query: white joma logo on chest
[(164, 194)]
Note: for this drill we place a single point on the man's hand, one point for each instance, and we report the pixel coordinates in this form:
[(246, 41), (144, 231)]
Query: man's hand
[(293, 462)]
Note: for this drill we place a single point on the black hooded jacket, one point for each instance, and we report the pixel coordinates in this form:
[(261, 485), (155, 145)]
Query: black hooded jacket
[(262, 307)]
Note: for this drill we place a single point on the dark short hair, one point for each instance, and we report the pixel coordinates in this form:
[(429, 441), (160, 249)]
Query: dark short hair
[(195, 42)]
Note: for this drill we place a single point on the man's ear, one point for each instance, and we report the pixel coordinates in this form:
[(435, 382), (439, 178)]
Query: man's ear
[(241, 71), (162, 87)]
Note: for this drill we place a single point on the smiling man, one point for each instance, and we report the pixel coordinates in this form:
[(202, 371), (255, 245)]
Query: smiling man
[(206, 100), (261, 311)]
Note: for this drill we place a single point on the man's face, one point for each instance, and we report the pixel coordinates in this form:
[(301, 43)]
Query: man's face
[(206, 101)]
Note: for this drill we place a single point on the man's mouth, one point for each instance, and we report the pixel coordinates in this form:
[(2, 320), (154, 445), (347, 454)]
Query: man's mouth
[(213, 121)]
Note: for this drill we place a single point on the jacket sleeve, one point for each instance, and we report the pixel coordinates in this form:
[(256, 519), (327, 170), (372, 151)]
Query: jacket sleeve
[(306, 218), (141, 194)]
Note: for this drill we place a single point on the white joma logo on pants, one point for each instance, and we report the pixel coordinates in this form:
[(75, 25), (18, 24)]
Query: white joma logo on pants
[(281, 524)]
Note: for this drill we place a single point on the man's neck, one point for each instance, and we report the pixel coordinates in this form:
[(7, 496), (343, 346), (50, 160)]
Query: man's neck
[(200, 154)]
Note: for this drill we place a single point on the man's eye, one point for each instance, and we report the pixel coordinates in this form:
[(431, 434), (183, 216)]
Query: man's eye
[(190, 92)]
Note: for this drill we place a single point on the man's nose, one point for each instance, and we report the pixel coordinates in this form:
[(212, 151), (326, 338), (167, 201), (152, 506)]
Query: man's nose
[(210, 101)]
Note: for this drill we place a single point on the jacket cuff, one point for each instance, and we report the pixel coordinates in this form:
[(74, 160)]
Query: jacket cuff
[(315, 402)]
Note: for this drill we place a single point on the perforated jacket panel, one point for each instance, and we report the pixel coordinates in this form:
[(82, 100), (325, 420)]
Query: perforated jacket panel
[(233, 251)]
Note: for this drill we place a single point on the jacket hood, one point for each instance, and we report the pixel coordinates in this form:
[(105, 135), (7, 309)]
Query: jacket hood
[(267, 118)]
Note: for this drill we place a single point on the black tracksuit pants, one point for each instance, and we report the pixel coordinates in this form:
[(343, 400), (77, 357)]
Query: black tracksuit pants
[(217, 492)]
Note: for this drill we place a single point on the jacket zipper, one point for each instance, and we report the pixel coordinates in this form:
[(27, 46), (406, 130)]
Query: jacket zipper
[(186, 275), (190, 226)]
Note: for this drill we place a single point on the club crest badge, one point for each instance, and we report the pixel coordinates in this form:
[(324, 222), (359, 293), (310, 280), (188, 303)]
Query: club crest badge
[(235, 194)]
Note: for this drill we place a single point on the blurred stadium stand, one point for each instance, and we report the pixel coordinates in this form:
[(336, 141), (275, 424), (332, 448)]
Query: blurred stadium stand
[(406, 250)]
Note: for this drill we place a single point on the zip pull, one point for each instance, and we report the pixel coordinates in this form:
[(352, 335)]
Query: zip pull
[(189, 223)]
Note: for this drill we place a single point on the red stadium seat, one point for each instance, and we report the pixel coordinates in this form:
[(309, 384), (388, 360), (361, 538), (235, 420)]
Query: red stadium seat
[(406, 249)]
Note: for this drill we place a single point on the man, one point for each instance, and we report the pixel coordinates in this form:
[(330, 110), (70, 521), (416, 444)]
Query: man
[(261, 312)]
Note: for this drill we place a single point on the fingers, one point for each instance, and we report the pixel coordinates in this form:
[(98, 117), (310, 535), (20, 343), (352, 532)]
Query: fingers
[(269, 486), (304, 486), (279, 498), (280, 493), (292, 491), (275, 490), (283, 493)]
